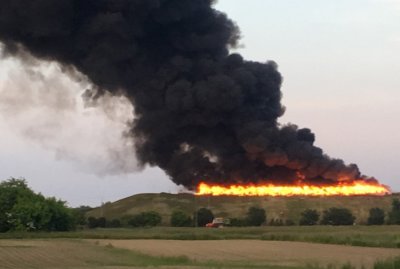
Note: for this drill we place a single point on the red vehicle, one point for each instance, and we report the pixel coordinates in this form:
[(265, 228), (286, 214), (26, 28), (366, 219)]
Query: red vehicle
[(217, 223)]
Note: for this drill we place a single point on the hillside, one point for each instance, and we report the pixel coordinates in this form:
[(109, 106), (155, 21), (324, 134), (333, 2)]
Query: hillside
[(285, 208)]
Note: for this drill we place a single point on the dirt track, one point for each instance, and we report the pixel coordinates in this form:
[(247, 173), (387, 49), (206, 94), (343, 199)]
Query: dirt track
[(258, 251)]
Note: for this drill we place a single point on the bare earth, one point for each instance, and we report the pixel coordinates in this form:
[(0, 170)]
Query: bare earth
[(274, 252)]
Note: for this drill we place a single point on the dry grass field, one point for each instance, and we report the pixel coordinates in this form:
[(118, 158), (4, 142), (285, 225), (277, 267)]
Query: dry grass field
[(259, 252), (21, 254), (166, 254), (75, 254)]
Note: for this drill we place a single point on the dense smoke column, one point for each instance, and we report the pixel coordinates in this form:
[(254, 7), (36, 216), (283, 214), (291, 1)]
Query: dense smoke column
[(201, 113)]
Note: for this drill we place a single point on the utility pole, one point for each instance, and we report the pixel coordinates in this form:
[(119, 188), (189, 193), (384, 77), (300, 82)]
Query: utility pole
[(195, 211)]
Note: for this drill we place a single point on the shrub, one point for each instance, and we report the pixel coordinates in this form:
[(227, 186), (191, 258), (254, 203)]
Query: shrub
[(236, 222), (309, 217), (96, 222), (145, 219), (203, 216), (394, 214), (125, 220), (376, 216), (289, 222), (114, 223), (337, 216), (180, 219), (256, 216), (92, 222)]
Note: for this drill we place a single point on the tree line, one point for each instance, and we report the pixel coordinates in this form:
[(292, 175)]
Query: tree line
[(255, 216)]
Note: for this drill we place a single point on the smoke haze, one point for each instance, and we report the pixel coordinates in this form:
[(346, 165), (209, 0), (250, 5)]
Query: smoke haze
[(43, 105), (201, 114)]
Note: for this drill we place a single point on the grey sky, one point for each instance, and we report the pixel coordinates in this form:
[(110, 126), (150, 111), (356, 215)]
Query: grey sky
[(340, 63)]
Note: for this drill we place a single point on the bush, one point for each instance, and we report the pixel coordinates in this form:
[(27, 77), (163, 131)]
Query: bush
[(203, 216), (376, 216), (96, 222), (309, 217), (235, 222), (114, 223), (256, 216), (337, 216), (394, 214), (180, 219), (145, 219), (289, 222)]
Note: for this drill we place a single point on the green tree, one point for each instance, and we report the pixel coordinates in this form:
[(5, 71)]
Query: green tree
[(180, 219), (376, 216), (337, 216), (394, 214), (203, 216), (60, 216), (256, 216), (24, 210), (79, 215), (10, 191), (309, 217), (29, 213)]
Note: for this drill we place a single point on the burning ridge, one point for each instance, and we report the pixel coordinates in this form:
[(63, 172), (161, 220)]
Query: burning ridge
[(201, 113)]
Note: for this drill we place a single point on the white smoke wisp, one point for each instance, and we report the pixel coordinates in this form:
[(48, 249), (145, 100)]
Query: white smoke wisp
[(43, 104)]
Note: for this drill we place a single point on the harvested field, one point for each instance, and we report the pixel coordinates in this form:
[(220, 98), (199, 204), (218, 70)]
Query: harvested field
[(259, 252), (165, 254)]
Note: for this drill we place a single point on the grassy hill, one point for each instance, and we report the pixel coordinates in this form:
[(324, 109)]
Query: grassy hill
[(285, 208)]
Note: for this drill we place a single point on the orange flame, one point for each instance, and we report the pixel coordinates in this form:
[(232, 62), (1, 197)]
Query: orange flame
[(299, 189)]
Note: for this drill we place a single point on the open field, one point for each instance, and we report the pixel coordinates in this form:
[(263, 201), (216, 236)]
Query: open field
[(119, 254), (259, 252), (284, 208), (372, 236), (76, 254)]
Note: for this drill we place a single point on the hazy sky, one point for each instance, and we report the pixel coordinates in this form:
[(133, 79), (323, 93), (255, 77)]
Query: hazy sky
[(340, 61)]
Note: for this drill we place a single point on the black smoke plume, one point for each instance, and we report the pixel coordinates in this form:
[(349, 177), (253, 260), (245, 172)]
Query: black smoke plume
[(202, 114)]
